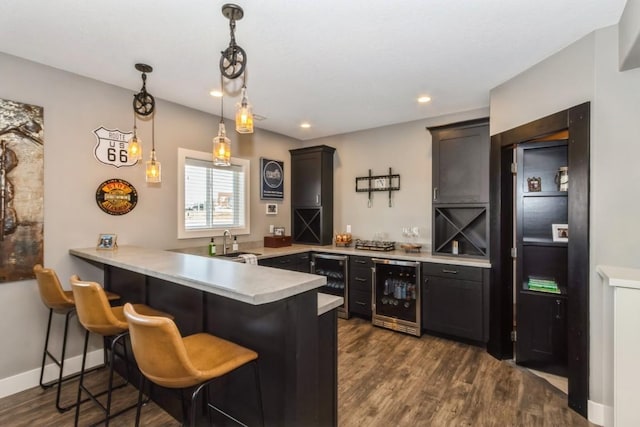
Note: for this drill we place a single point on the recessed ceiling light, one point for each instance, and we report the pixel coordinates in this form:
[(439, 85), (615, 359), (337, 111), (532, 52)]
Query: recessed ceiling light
[(215, 93), (305, 125), (424, 99)]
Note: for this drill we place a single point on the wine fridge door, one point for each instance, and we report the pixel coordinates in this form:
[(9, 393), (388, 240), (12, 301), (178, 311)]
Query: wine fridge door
[(335, 269), (396, 295)]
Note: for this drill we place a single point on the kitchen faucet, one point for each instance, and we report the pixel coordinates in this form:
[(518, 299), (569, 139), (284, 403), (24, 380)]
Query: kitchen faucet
[(224, 241)]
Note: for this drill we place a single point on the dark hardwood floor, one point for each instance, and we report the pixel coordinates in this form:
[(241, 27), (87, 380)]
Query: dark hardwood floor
[(385, 379)]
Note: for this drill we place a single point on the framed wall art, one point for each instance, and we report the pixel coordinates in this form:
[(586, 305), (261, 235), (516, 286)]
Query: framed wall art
[(272, 209), (271, 179)]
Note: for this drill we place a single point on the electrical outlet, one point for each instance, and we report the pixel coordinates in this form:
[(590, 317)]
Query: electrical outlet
[(271, 228), (348, 228)]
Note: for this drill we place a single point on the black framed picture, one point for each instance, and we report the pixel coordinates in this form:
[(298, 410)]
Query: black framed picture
[(271, 179)]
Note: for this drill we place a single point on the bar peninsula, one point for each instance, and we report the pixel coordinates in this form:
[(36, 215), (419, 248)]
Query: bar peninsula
[(277, 313)]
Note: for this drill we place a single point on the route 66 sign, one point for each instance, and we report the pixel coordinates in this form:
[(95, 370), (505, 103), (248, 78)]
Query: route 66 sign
[(112, 147)]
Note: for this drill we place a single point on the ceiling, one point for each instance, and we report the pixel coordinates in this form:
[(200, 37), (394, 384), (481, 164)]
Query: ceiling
[(341, 65)]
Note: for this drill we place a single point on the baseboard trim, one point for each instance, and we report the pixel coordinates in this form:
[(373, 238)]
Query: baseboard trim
[(30, 379), (600, 414)]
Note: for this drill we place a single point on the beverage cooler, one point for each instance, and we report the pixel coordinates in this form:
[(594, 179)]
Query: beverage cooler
[(335, 269), (396, 295)]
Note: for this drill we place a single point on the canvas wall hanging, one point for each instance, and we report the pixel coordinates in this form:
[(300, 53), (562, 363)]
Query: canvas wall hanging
[(21, 189)]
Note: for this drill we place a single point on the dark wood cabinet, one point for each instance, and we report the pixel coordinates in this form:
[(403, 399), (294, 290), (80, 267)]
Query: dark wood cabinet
[(460, 155), (360, 280), (541, 211), (460, 189), (296, 262), (541, 341), (312, 194), (455, 300)]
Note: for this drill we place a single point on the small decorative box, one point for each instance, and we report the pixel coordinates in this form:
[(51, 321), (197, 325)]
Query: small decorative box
[(277, 241)]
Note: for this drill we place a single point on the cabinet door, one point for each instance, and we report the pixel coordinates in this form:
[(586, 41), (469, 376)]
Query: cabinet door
[(541, 325), (306, 179), (460, 163), (453, 306)]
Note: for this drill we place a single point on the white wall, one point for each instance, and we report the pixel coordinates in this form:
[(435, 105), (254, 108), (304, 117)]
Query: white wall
[(404, 147), (73, 107), (588, 71)]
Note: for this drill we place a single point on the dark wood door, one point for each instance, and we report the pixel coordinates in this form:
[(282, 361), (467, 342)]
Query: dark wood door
[(541, 341), (306, 179), (461, 163), (453, 307)]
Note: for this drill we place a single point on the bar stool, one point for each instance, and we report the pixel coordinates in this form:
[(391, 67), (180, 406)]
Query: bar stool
[(169, 360), (58, 301), (97, 316)]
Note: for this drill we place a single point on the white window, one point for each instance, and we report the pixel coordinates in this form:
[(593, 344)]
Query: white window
[(211, 198)]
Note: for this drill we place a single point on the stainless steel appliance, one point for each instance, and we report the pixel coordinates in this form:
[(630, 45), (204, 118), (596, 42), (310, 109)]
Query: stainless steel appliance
[(336, 269), (396, 295)]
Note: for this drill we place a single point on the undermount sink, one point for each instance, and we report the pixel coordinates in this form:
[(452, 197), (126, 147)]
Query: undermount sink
[(234, 255)]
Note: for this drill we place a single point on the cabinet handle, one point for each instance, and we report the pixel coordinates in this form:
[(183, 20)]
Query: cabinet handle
[(361, 303), (357, 261), (435, 193), (360, 279), (444, 270), (426, 284), (317, 199), (558, 309)]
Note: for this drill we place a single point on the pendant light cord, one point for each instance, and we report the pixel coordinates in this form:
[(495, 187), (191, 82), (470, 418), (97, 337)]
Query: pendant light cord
[(221, 100)]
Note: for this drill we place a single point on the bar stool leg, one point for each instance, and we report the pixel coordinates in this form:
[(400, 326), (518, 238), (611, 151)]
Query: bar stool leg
[(59, 362), (81, 383), (45, 353)]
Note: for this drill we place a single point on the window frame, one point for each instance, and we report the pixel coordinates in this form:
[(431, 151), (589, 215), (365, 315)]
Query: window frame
[(183, 233)]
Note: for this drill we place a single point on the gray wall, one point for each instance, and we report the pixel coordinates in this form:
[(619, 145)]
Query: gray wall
[(73, 107), (406, 148), (588, 71)]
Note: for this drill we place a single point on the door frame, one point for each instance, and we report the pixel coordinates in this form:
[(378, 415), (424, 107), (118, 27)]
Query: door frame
[(577, 121)]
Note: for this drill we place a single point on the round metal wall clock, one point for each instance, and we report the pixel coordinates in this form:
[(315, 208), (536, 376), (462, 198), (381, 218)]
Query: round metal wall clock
[(116, 196)]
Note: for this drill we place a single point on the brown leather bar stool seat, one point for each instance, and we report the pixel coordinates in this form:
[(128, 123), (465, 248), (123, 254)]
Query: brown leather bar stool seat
[(169, 360), (58, 301), (97, 316)]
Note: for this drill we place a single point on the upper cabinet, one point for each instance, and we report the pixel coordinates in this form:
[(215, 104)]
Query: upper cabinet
[(461, 162), (312, 194), (312, 176)]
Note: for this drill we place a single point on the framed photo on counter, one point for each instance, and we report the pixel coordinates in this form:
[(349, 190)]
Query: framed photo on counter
[(107, 242)]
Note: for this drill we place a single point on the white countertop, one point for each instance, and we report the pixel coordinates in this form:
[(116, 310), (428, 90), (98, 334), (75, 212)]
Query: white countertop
[(397, 254), (622, 277), (328, 302), (252, 284)]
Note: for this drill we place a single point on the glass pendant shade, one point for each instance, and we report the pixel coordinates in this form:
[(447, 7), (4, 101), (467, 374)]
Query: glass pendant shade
[(221, 148), (153, 172), (244, 115), (134, 150)]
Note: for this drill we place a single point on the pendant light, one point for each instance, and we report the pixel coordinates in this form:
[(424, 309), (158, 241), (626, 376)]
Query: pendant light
[(153, 172), (134, 149), (233, 63), (145, 105), (244, 115), (221, 144)]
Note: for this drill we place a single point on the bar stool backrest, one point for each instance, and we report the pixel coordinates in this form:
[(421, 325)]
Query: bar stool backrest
[(159, 350), (51, 292), (94, 311)]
